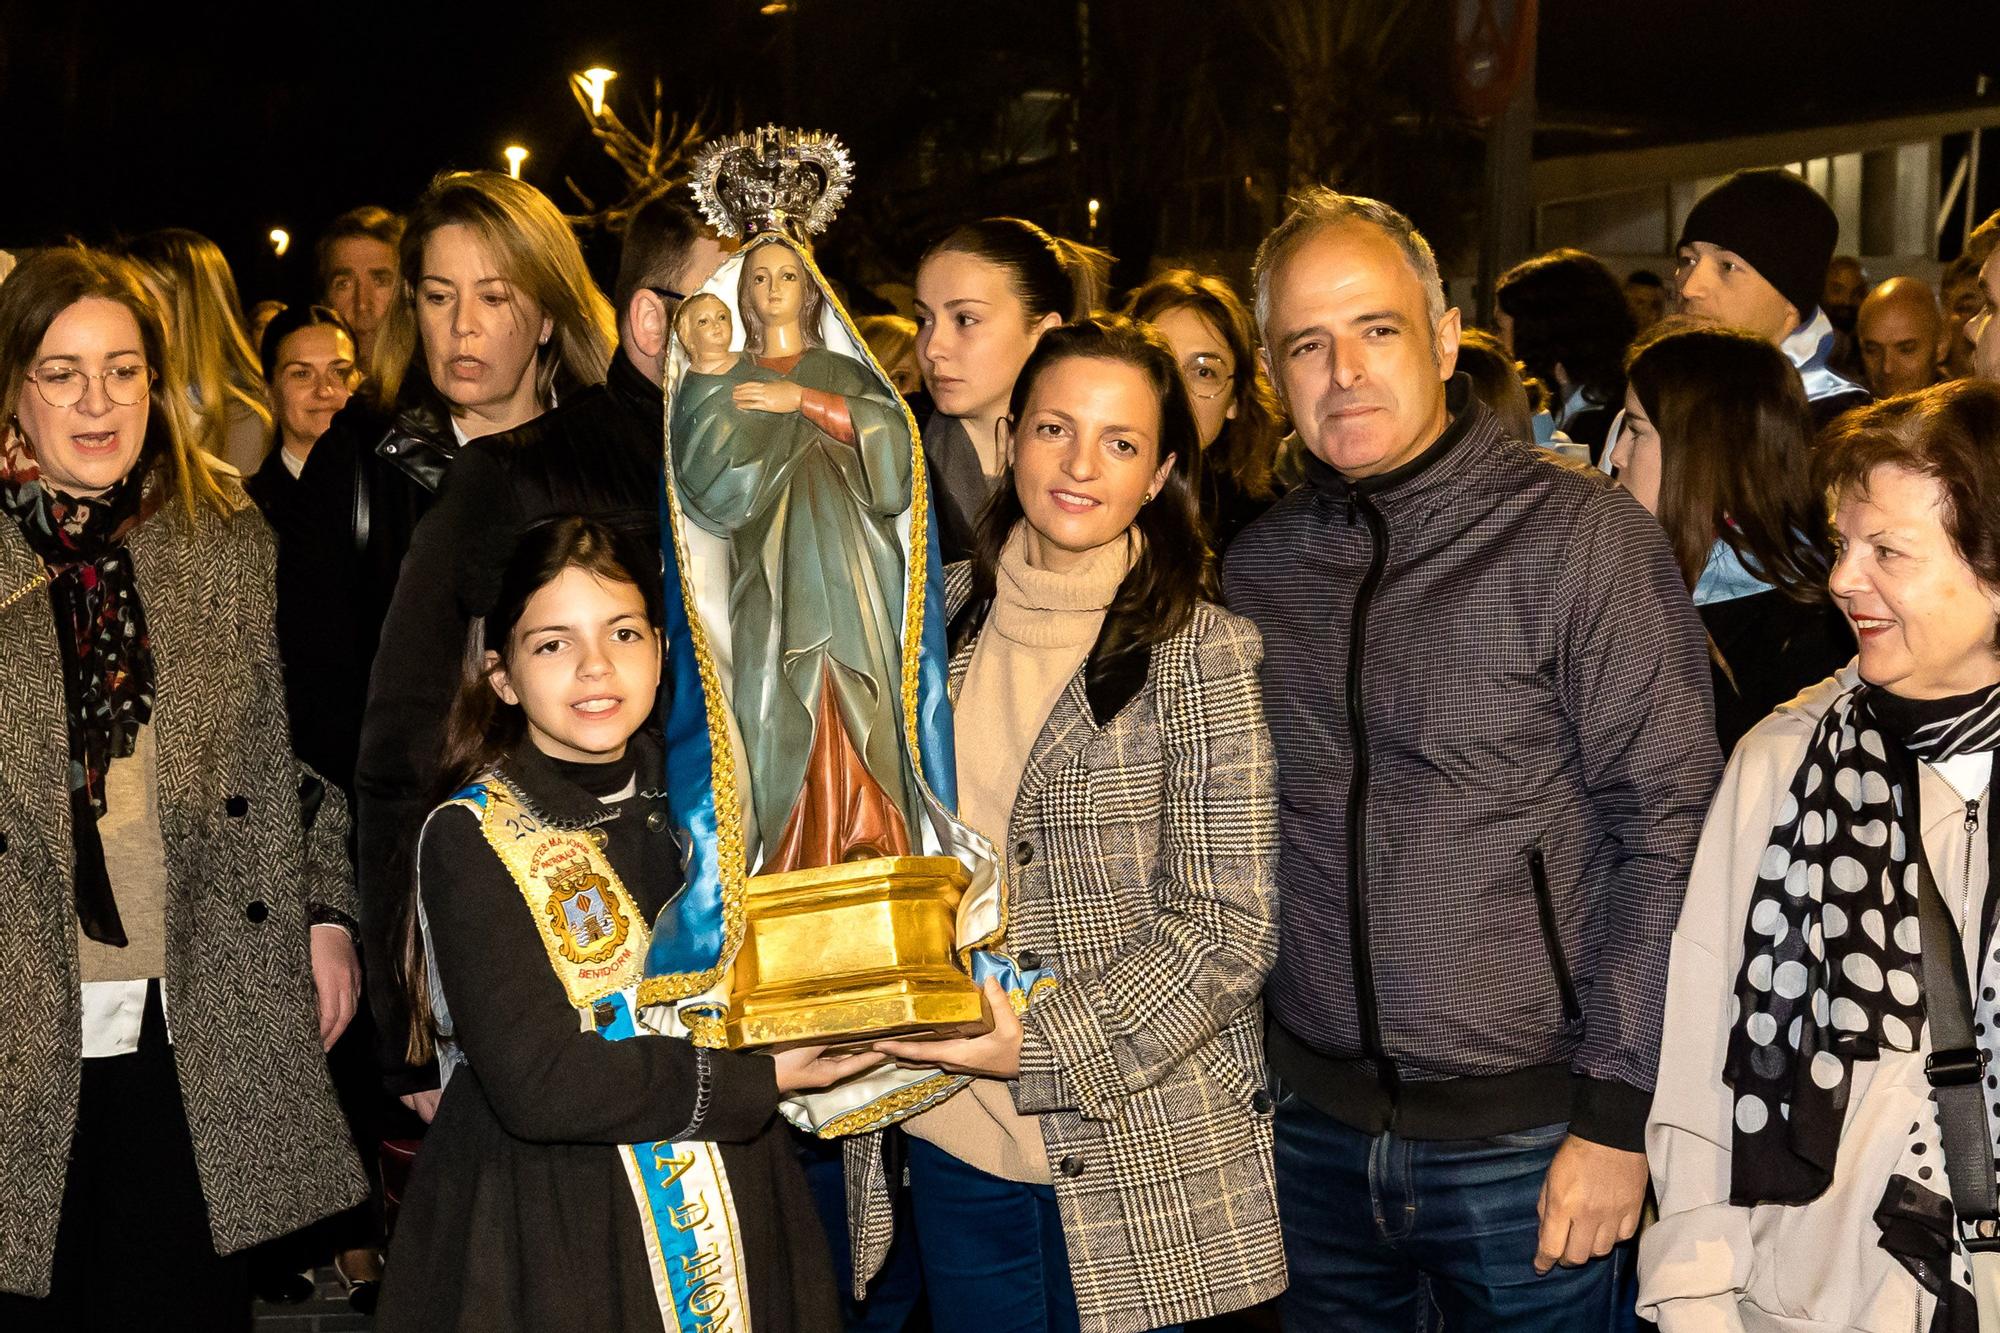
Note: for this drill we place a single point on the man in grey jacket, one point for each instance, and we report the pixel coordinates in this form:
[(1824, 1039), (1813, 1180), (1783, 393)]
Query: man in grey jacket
[(1488, 693)]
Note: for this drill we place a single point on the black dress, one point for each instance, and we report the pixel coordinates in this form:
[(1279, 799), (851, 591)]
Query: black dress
[(1774, 647), (519, 1214)]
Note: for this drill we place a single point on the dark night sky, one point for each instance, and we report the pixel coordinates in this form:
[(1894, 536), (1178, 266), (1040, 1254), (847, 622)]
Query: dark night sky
[(119, 118)]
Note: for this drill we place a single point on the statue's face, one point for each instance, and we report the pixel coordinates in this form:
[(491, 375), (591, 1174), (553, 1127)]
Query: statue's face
[(777, 284), (705, 327)]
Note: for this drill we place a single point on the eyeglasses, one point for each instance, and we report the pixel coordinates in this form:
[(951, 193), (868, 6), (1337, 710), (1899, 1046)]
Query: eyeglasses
[(668, 294), (64, 386), (1205, 376)]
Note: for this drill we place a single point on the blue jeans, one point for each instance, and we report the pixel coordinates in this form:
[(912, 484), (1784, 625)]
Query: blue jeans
[(993, 1253), (1374, 1222)]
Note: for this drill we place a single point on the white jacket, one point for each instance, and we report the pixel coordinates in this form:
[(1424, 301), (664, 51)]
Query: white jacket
[(1707, 1264)]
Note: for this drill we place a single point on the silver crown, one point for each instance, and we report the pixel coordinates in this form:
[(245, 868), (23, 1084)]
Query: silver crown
[(771, 179)]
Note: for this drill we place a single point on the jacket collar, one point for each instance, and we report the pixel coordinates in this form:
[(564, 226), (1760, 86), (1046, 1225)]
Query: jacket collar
[(545, 794), (629, 385), (1467, 419), (1810, 348), (1109, 681), (419, 440)]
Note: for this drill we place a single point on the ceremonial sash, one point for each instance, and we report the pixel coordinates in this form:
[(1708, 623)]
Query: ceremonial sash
[(596, 941)]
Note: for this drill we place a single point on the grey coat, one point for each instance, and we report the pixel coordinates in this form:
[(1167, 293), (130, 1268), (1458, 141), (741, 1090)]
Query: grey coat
[(272, 1149), (1141, 867)]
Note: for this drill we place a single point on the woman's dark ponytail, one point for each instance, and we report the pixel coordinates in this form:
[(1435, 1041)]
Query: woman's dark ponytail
[(1039, 270)]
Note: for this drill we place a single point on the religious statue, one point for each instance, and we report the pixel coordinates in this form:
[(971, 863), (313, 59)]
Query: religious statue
[(801, 459), (832, 894)]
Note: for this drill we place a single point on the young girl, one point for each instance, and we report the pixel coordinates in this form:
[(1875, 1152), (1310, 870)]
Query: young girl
[(582, 1172), (1717, 443)]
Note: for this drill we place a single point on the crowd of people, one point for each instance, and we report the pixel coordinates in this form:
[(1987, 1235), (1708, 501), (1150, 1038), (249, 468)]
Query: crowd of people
[(1509, 808)]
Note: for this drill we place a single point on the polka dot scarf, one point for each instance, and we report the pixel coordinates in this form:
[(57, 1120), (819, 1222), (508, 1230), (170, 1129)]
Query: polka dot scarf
[(1831, 961), (107, 655)]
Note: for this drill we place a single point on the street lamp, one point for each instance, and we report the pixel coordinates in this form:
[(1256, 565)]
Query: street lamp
[(281, 241), (515, 155), (593, 81)]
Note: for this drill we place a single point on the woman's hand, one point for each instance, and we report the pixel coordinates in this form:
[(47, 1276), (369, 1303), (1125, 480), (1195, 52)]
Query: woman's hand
[(805, 1068), (424, 1103), (995, 1055), (769, 396), (336, 980)]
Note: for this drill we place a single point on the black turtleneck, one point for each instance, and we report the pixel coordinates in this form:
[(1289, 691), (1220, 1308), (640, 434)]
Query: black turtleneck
[(1900, 716), (602, 778), (599, 454)]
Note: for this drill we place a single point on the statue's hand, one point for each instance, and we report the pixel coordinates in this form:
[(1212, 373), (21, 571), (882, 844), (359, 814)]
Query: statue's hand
[(769, 396)]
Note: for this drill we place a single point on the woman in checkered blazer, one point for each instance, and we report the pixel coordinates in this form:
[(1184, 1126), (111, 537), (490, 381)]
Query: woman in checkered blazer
[(1108, 1167)]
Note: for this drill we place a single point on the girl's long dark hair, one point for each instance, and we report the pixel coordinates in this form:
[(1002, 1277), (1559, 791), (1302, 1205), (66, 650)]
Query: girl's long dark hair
[(1174, 570), (1736, 455), (481, 728), (1045, 275)]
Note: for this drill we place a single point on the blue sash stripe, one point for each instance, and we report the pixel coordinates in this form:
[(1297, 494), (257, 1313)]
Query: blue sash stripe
[(687, 937), (676, 1218), (934, 732)]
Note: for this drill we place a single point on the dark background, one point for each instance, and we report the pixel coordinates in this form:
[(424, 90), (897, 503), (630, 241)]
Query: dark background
[(235, 119)]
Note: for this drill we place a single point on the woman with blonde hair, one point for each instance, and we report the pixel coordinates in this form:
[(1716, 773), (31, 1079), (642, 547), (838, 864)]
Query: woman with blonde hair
[(210, 354), (498, 319), (164, 850)]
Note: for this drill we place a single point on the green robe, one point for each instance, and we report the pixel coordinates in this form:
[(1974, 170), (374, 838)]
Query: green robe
[(817, 578)]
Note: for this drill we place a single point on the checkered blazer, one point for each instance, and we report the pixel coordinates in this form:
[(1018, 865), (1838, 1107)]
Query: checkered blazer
[(273, 1149), (1141, 866)]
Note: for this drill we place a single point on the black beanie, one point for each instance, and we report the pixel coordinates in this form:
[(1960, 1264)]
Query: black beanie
[(1777, 224)]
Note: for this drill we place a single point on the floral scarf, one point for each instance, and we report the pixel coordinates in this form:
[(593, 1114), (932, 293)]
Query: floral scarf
[(107, 655)]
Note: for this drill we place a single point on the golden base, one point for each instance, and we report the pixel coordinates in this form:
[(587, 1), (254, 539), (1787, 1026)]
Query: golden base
[(853, 953)]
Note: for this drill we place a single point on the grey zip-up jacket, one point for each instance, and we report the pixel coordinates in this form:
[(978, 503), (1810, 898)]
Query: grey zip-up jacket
[(1488, 693)]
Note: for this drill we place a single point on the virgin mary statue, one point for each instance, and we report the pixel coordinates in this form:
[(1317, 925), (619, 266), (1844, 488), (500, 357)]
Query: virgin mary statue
[(831, 891), (800, 459)]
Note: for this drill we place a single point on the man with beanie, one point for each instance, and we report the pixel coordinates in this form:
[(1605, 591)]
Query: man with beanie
[(1753, 254)]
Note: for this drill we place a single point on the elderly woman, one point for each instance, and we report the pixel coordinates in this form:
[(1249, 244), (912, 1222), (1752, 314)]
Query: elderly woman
[(174, 894), (1795, 1140)]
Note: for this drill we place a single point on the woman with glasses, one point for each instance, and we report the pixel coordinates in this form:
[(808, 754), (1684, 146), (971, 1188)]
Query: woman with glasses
[(1215, 343), (311, 368), (177, 950)]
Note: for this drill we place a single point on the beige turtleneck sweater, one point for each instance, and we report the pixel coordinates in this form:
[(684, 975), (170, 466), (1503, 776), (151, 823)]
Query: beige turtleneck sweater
[(1038, 633)]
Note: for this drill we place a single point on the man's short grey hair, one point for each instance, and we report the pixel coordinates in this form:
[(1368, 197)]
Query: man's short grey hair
[(1318, 208)]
